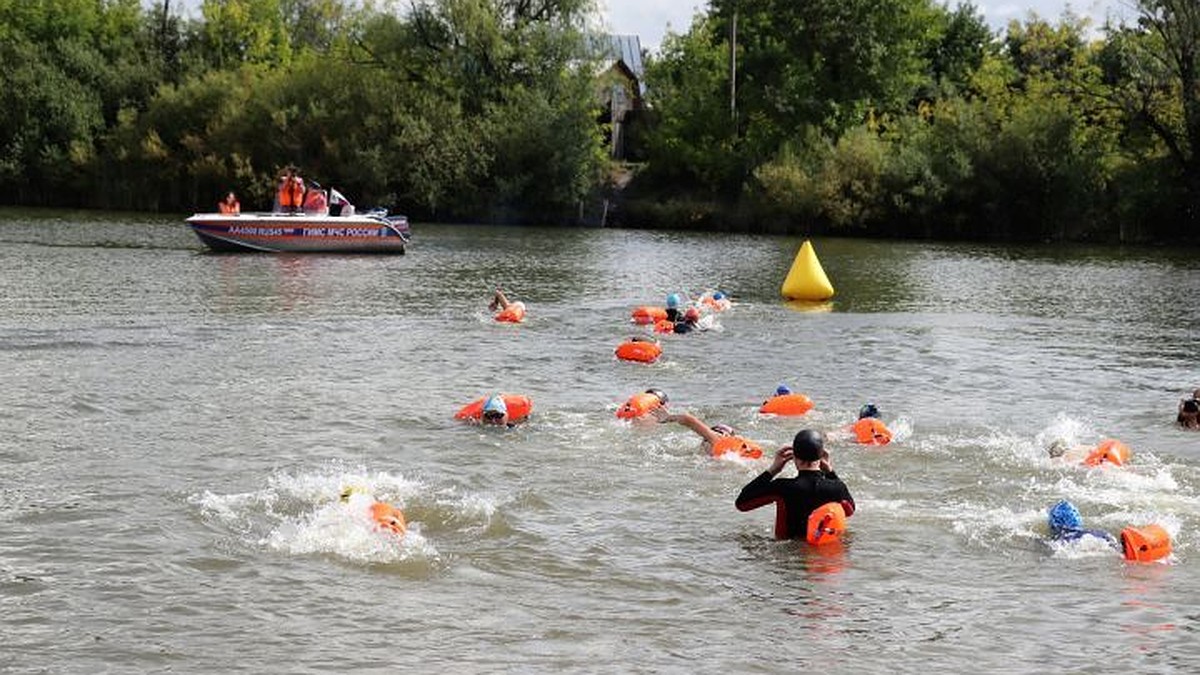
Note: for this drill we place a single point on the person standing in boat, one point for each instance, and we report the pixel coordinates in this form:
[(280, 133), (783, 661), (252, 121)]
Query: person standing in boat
[(290, 196), (229, 206)]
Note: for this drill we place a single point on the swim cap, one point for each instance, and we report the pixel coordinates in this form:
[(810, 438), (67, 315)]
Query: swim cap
[(782, 389), (692, 313), (661, 396), (1064, 516), (495, 404), (673, 300), (723, 429), (350, 490), (807, 445), (718, 295), (1058, 448), (868, 410)]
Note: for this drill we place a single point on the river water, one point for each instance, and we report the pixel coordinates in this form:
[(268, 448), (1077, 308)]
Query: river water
[(176, 426)]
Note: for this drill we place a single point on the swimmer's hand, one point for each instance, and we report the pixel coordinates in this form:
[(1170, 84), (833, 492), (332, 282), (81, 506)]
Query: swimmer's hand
[(782, 457)]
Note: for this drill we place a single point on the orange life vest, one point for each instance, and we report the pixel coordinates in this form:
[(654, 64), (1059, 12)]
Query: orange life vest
[(228, 209), (291, 192)]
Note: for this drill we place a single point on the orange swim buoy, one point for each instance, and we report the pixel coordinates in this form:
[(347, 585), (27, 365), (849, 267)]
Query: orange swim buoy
[(639, 350), (664, 326), (639, 405), (716, 304), (787, 404), (744, 448), (826, 524), (646, 314), (1146, 543), (871, 431), (514, 313), (388, 517), (1109, 450), (518, 406)]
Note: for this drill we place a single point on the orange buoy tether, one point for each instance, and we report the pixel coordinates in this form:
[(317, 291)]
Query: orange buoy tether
[(1146, 543), (641, 404), (826, 524), (639, 350), (518, 407), (388, 517), (737, 444), (787, 404), (1109, 450), (871, 431), (514, 313), (646, 314)]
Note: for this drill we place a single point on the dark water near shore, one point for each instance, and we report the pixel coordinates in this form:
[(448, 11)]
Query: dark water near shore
[(175, 427)]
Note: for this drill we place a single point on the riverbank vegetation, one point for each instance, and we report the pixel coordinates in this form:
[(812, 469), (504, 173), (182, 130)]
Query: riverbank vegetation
[(882, 117)]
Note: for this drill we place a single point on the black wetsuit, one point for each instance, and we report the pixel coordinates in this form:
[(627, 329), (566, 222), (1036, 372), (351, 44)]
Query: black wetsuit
[(673, 314), (684, 327), (794, 498)]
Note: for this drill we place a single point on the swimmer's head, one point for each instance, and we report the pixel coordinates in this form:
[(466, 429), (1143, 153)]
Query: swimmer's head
[(692, 314), (723, 429), (1064, 516), (868, 410), (351, 490), (494, 410), (673, 300), (1058, 448), (718, 295), (808, 445), (1191, 406), (782, 390), (662, 397)]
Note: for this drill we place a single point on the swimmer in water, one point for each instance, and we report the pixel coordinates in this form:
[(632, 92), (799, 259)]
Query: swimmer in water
[(1067, 525), (1188, 416), (814, 485), (869, 429), (501, 303), (385, 516)]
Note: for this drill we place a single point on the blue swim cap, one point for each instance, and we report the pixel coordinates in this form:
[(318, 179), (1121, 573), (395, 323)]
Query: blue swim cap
[(868, 410), (673, 300), (1064, 516), (718, 295), (782, 389), (495, 404)]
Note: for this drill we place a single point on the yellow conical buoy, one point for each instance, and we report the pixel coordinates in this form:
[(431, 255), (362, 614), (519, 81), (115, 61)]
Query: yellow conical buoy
[(806, 280)]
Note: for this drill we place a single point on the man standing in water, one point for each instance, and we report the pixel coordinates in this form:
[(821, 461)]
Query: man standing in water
[(796, 498)]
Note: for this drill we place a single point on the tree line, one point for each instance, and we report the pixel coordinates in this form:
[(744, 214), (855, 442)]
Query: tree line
[(882, 117)]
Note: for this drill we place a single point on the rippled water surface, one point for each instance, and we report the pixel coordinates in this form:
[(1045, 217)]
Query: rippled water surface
[(176, 426)]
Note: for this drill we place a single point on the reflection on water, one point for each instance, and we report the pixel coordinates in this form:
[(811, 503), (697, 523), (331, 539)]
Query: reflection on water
[(177, 426)]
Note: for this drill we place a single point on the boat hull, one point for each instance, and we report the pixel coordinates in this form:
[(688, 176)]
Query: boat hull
[(279, 233)]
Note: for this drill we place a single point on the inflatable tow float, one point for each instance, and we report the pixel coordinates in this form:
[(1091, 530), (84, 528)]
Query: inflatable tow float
[(742, 447), (514, 313), (1146, 543), (786, 404), (1108, 451), (826, 524), (642, 351), (640, 405), (518, 407), (646, 315)]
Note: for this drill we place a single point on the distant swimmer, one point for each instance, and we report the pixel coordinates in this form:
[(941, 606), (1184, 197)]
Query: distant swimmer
[(1145, 543), (1189, 412), (688, 323), (1067, 525), (509, 311), (1108, 451), (640, 405), (869, 429), (717, 301), (500, 410), (384, 516), (795, 499), (786, 402), (719, 439), (675, 307)]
